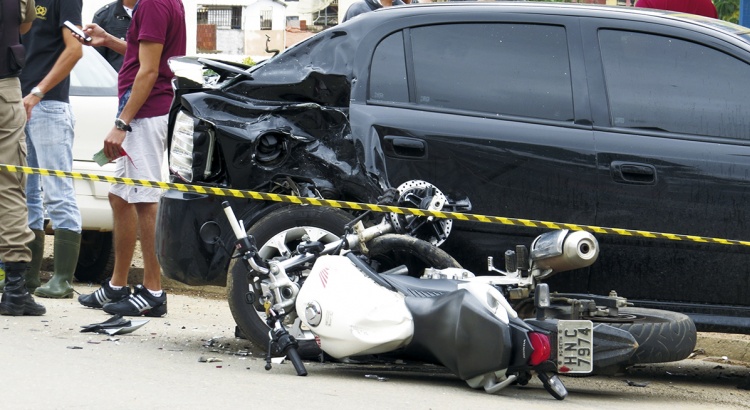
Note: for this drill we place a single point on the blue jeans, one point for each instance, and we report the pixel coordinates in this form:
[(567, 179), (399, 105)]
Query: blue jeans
[(49, 135)]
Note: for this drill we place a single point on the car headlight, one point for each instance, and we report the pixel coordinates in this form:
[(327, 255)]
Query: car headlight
[(192, 150)]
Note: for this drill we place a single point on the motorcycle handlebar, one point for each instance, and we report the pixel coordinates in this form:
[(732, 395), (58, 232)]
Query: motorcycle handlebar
[(238, 231), (296, 360)]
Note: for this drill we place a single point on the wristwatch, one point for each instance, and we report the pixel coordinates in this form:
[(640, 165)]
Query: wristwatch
[(120, 125), (37, 92)]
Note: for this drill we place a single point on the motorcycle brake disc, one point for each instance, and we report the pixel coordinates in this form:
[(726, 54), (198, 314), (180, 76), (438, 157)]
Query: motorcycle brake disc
[(422, 195)]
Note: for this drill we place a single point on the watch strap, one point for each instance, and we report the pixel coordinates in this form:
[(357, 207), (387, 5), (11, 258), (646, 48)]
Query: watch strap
[(122, 126), (37, 92)]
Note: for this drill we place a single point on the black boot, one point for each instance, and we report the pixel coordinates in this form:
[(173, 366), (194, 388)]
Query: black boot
[(16, 300)]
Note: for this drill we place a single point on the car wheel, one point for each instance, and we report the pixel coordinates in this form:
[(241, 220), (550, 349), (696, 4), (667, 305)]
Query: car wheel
[(96, 259), (662, 336), (278, 234), (391, 250)]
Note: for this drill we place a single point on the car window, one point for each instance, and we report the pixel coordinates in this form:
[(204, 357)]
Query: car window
[(388, 71), (664, 83), (507, 69), (93, 76)]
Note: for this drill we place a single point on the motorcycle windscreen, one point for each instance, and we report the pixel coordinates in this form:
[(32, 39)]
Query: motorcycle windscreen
[(457, 331)]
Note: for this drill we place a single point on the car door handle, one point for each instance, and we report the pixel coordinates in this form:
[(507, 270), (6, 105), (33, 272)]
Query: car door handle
[(633, 173), (405, 147)]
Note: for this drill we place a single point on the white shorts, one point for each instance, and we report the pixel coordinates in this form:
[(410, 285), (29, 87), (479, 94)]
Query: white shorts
[(145, 146)]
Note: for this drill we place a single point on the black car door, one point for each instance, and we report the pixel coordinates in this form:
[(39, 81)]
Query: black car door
[(672, 139), (485, 111)]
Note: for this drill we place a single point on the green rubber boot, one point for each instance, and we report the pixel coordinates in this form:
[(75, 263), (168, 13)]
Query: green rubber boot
[(35, 266), (60, 286)]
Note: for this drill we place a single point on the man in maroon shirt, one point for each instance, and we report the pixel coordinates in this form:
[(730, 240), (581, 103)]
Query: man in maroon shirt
[(138, 142), (700, 7)]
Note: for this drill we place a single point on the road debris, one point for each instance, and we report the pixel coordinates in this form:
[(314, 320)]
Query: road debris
[(376, 377), (636, 384), (116, 325)]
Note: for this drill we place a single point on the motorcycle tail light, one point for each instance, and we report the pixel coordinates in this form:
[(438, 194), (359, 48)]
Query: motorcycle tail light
[(542, 349)]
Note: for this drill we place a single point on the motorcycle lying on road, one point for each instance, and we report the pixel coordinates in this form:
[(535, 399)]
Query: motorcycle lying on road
[(351, 306)]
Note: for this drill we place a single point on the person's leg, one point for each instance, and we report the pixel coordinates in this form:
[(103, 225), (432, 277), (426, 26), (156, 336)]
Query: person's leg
[(125, 231), (34, 205), (14, 231), (34, 181), (147, 227), (125, 235), (146, 145), (52, 126), (134, 208)]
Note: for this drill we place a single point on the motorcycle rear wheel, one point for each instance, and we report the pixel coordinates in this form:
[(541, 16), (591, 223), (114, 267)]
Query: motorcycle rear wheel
[(662, 335), (276, 234)]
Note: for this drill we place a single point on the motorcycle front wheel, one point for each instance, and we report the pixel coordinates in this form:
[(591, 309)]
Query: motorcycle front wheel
[(276, 236)]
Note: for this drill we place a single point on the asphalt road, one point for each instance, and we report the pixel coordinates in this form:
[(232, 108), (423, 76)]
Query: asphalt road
[(191, 359)]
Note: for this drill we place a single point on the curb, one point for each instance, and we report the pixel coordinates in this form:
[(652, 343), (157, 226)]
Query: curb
[(732, 347)]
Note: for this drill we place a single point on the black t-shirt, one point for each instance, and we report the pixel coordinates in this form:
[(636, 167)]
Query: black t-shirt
[(114, 20), (44, 43)]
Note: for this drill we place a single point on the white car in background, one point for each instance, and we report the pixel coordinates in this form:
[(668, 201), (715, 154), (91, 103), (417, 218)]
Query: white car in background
[(93, 97)]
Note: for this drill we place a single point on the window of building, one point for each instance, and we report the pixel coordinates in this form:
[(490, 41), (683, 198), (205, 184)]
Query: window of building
[(226, 17), (668, 84), (266, 19)]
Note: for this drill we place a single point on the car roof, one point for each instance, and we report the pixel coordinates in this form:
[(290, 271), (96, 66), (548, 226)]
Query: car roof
[(700, 23), (333, 52)]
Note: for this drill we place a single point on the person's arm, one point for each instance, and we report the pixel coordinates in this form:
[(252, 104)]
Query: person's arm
[(149, 56), (100, 38), (28, 16), (24, 28), (62, 68)]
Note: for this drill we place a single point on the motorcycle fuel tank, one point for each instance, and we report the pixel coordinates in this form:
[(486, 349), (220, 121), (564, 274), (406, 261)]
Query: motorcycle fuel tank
[(349, 313)]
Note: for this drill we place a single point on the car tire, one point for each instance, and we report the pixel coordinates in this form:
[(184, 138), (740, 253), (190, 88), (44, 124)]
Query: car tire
[(391, 250), (293, 222), (96, 258), (662, 335)]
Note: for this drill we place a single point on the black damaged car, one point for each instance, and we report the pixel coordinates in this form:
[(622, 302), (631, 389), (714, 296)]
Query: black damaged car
[(601, 116)]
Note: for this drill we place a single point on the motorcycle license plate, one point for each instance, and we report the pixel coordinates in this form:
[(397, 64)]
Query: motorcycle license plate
[(575, 346)]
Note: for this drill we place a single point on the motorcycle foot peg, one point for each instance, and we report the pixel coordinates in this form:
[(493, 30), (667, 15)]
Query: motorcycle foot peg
[(553, 385)]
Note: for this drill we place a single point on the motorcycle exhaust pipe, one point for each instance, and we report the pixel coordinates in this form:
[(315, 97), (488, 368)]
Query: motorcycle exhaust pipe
[(563, 250)]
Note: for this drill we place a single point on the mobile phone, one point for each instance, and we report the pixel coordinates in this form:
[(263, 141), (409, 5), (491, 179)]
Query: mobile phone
[(77, 31)]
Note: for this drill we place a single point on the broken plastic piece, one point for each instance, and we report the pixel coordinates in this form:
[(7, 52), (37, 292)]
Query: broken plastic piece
[(116, 325)]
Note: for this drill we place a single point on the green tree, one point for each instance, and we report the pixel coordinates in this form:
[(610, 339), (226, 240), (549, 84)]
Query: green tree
[(729, 10)]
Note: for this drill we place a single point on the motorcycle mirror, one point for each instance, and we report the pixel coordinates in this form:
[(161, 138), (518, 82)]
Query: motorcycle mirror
[(210, 232)]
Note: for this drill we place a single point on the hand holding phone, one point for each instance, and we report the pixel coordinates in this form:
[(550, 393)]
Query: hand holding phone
[(77, 31)]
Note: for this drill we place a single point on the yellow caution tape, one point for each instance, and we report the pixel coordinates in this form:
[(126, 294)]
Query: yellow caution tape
[(264, 196)]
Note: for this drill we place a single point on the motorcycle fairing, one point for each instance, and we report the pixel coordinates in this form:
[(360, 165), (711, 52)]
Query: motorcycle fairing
[(358, 316), (456, 330)]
